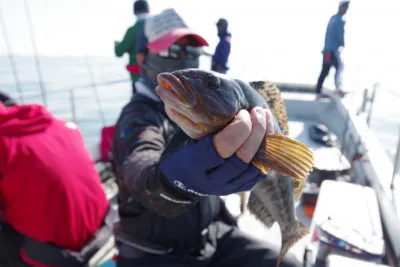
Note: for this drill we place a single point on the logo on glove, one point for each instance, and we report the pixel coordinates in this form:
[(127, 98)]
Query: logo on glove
[(180, 185)]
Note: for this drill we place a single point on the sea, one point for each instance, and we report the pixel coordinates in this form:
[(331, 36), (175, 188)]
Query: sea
[(71, 66)]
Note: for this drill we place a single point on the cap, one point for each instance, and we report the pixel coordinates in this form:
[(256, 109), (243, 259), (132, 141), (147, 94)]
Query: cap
[(166, 28), (222, 21), (140, 6), (344, 2)]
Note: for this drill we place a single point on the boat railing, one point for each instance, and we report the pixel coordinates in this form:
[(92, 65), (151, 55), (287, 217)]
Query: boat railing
[(394, 185)]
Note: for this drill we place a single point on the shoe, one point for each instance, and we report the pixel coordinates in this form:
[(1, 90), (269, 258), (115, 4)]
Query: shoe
[(322, 95)]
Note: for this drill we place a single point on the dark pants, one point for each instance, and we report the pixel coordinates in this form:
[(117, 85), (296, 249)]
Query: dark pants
[(227, 246), (330, 59), (10, 242)]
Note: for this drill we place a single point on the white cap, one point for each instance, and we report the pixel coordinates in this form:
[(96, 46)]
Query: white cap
[(163, 29)]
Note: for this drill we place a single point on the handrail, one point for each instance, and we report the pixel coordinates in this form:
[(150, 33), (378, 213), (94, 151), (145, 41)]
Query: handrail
[(81, 87), (73, 109), (396, 163)]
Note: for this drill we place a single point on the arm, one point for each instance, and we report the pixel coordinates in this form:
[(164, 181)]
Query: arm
[(205, 53), (339, 30), (141, 46), (126, 44), (139, 153)]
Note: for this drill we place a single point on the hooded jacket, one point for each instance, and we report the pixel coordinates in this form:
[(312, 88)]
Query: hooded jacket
[(49, 187), (222, 51)]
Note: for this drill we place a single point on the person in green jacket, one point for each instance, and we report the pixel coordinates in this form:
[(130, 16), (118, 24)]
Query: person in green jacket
[(128, 44)]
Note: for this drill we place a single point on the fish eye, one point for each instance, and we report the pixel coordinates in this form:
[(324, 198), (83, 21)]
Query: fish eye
[(211, 81)]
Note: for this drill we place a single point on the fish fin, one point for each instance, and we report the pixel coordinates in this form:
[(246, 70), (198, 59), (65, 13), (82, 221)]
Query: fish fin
[(289, 241), (298, 188), (284, 155), (257, 208), (272, 95), (263, 168)]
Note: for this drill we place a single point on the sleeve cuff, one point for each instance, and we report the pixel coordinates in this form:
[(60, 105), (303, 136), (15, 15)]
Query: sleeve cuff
[(157, 184)]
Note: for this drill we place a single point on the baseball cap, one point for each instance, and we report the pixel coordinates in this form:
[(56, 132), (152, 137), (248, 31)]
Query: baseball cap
[(164, 29)]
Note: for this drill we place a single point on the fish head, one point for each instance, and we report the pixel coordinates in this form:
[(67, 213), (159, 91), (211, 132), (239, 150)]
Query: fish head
[(200, 102)]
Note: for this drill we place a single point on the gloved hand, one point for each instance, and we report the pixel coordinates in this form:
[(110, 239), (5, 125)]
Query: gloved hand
[(211, 166)]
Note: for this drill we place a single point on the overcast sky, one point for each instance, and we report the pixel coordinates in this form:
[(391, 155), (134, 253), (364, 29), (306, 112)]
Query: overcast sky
[(66, 27)]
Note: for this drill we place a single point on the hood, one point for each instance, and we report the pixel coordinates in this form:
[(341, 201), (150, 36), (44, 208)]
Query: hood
[(22, 120)]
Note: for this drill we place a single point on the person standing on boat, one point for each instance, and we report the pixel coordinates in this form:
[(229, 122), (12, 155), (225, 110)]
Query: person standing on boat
[(161, 223), (51, 199), (128, 44), (223, 49), (334, 45)]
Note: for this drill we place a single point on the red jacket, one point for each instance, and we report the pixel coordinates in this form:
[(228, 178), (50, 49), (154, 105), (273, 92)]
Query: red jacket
[(49, 187)]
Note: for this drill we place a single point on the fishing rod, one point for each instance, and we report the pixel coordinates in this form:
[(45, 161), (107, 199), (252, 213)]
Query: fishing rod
[(93, 84), (37, 61), (11, 58), (90, 71)]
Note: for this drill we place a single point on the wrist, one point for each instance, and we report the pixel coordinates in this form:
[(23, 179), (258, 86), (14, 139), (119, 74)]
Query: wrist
[(157, 184)]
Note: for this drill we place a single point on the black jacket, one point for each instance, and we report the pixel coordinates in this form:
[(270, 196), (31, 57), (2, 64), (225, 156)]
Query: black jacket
[(150, 209)]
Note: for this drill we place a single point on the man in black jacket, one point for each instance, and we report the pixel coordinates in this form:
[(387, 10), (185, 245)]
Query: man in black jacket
[(163, 223)]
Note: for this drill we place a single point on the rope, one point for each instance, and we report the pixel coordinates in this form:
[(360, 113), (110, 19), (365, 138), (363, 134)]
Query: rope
[(37, 62), (11, 58)]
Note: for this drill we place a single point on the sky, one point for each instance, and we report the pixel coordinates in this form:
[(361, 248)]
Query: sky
[(74, 27), (292, 30)]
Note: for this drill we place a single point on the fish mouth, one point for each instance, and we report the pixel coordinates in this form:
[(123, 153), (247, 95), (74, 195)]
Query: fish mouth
[(174, 88)]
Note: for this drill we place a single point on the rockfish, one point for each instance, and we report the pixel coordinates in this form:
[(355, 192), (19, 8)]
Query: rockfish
[(204, 102)]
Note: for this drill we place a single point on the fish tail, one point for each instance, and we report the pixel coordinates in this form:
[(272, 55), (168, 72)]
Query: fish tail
[(289, 241), (284, 155)]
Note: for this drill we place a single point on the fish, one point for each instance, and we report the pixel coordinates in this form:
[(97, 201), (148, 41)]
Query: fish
[(272, 200), (270, 92), (277, 190), (203, 102)]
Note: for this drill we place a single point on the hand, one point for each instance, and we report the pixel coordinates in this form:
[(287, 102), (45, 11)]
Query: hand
[(244, 135), (219, 164), (140, 58)]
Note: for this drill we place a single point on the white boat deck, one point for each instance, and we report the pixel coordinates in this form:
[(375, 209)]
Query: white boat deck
[(323, 156)]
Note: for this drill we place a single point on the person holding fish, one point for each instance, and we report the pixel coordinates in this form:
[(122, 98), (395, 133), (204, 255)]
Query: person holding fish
[(169, 182)]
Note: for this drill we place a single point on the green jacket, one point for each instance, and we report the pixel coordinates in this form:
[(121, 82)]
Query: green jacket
[(128, 45)]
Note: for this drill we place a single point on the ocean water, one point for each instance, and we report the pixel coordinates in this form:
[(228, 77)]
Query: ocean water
[(275, 40)]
